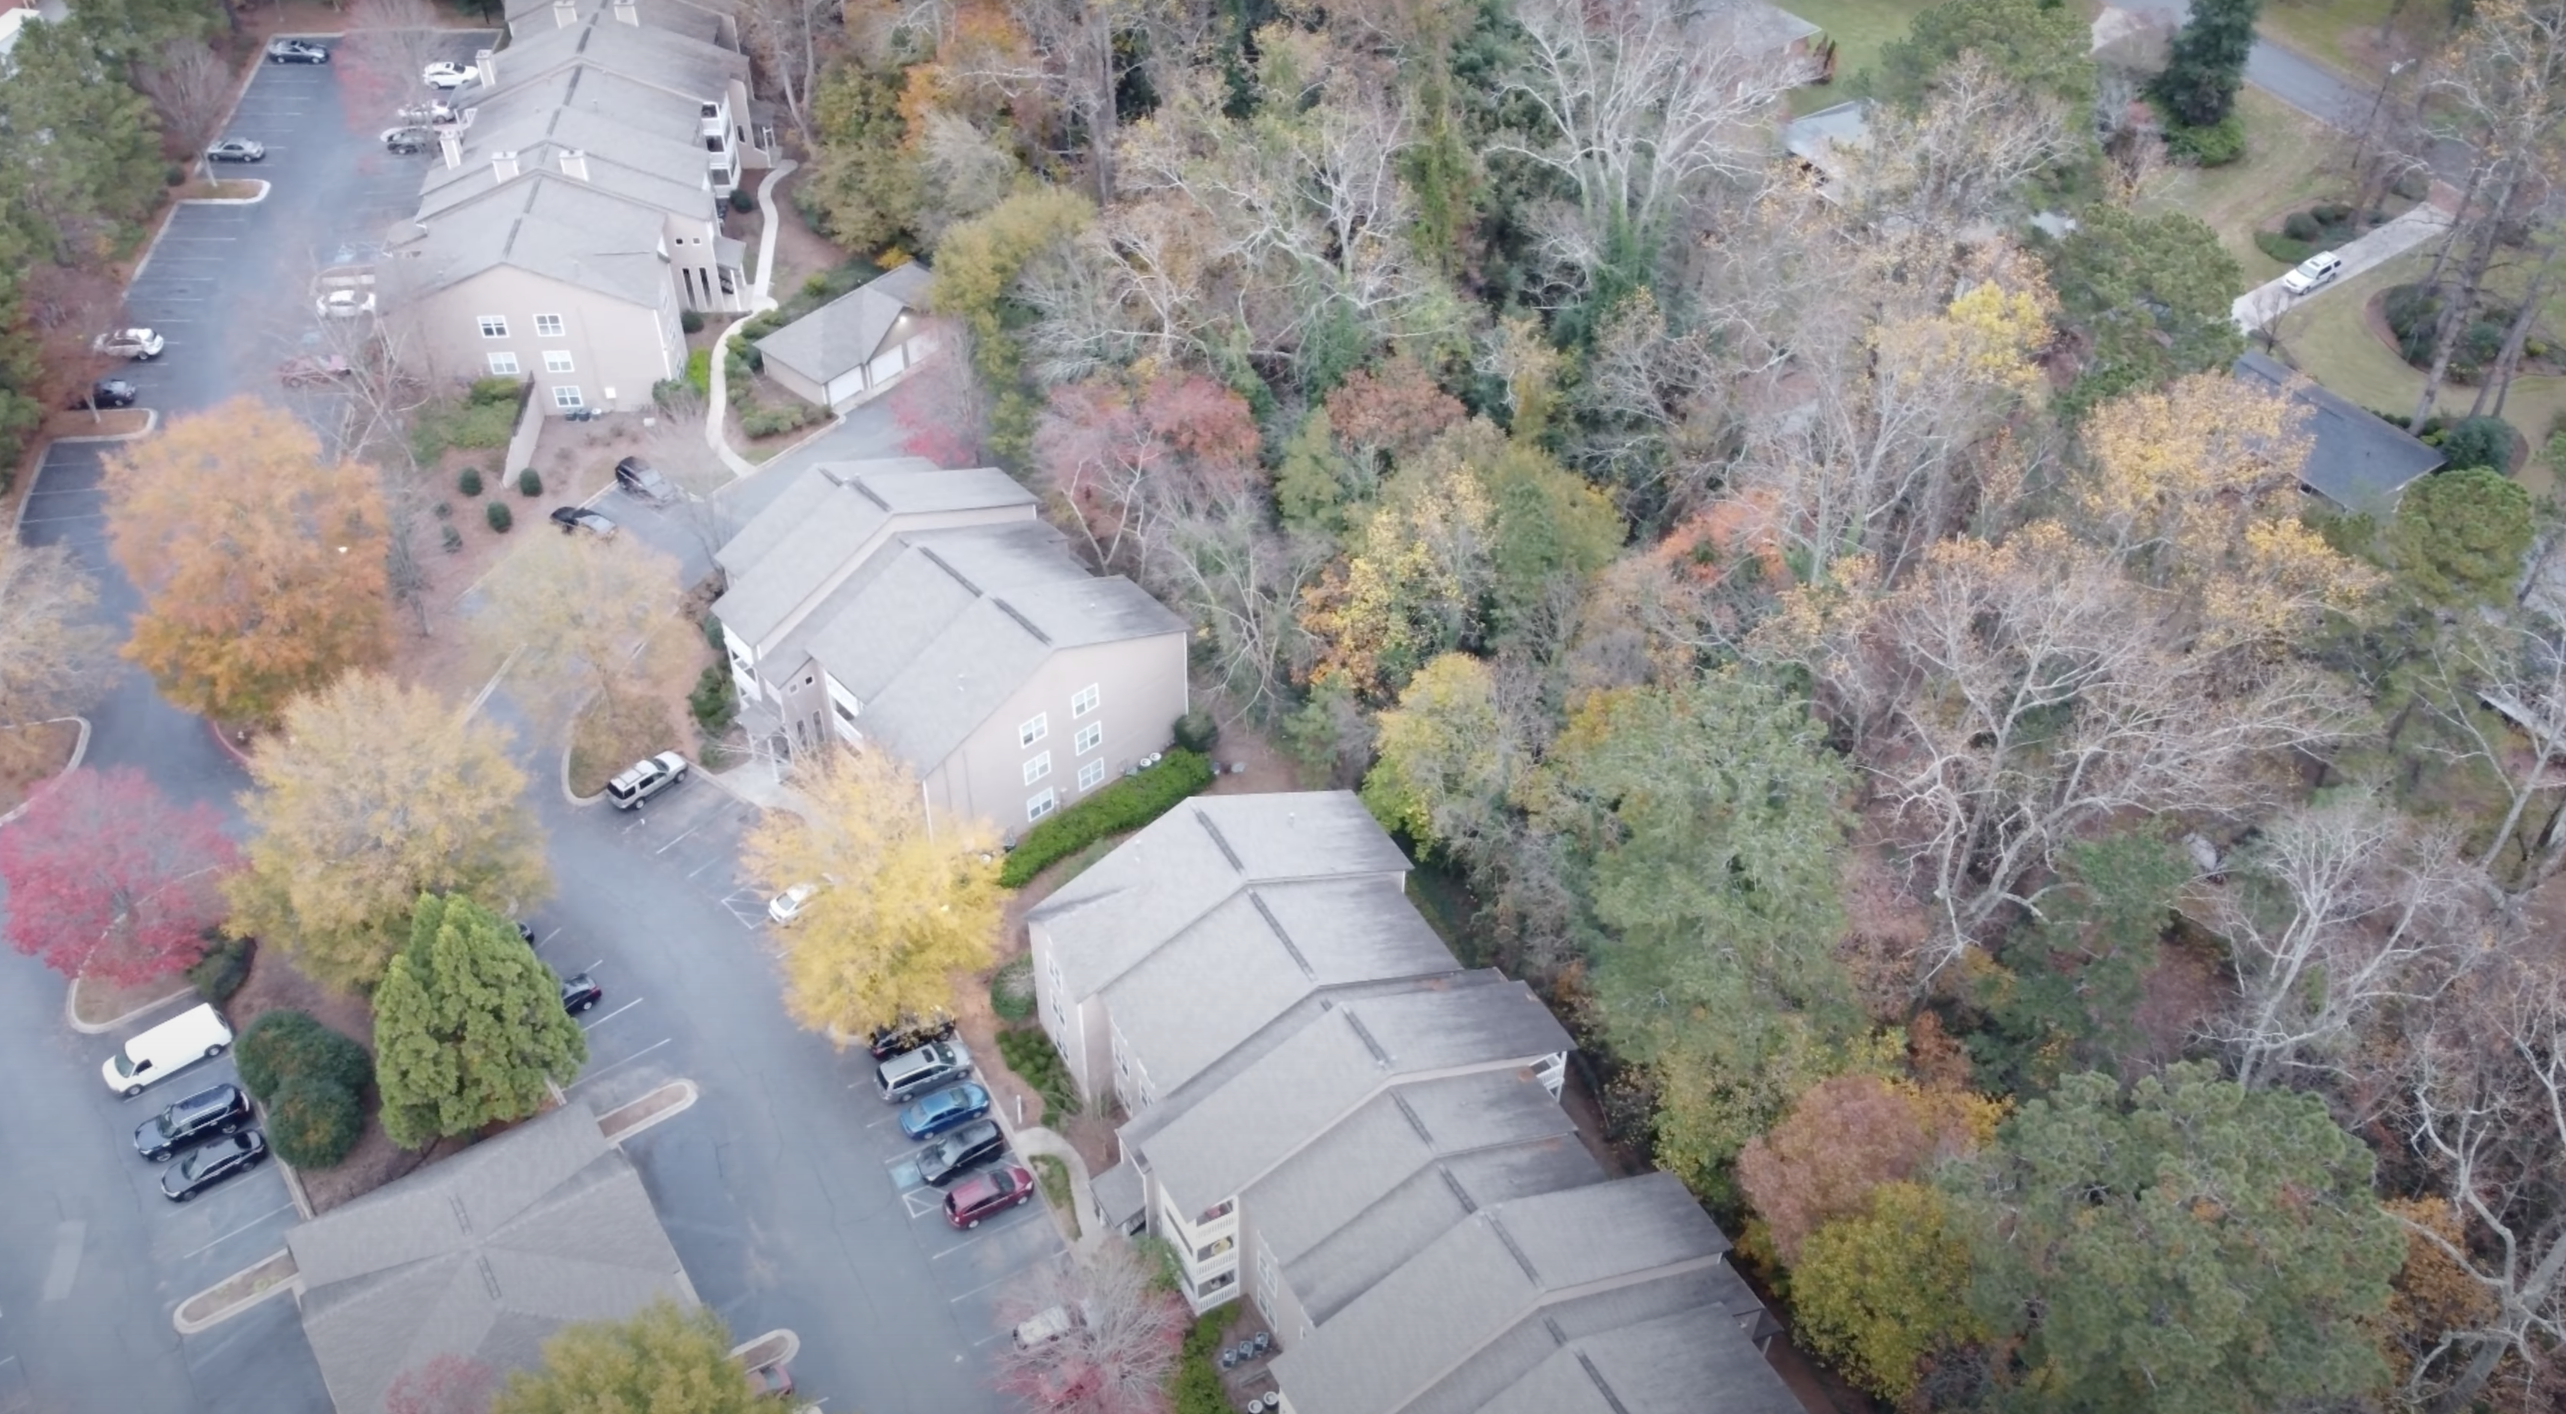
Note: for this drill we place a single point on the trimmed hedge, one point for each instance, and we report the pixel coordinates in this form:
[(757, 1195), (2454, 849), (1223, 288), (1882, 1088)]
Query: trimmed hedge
[(284, 1046), (499, 516), (1011, 990), (1030, 1054), (313, 1123), (2217, 145), (529, 482), (222, 970), (1195, 1388), (1127, 804)]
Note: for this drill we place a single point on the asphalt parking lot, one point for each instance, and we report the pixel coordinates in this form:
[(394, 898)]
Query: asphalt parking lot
[(788, 1188)]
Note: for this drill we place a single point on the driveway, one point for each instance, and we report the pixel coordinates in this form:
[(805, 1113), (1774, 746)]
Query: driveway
[(2266, 302), (92, 1259), (783, 1187)]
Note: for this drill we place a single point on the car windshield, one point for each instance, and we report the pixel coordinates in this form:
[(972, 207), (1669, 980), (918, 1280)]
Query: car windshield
[(124, 1063)]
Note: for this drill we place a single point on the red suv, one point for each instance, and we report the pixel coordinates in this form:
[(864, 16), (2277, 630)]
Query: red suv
[(985, 1194)]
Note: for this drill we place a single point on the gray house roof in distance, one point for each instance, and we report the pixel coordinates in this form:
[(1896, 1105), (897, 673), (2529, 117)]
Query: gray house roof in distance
[(1264, 948), (846, 333), (1238, 1132), (702, 19), (803, 538), (1422, 1322), (640, 144), (1185, 863), (681, 65), (1672, 1345), (482, 1255), (2356, 459), (546, 225)]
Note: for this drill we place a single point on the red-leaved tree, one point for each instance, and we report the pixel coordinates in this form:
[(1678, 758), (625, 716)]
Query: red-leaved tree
[(941, 411), (110, 880), (1115, 1355), (1134, 458), (445, 1384)]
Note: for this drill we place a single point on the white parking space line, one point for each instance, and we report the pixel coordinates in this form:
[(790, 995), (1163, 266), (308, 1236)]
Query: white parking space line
[(260, 1220), (637, 1055), (593, 1025), (984, 1286), (672, 844), (989, 1227)]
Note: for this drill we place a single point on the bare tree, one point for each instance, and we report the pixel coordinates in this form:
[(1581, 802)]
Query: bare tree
[(789, 39), (1964, 159), (69, 307), (388, 43), (193, 88), (1111, 1332), (53, 657), (2340, 908), (2485, 686), (575, 613)]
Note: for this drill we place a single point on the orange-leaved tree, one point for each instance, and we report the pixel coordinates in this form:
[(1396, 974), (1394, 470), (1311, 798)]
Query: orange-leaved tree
[(260, 559)]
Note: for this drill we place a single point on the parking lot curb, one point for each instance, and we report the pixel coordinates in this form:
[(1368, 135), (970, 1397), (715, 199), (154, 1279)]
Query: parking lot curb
[(79, 748), (293, 1181), (71, 1010), (263, 185), (271, 1276), (617, 1131), (151, 421)]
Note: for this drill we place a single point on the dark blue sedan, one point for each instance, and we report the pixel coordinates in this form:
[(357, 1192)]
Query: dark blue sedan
[(943, 1110)]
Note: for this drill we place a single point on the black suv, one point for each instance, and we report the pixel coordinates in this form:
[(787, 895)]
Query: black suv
[(908, 1033), (231, 1154), (105, 393), (199, 1117), (579, 993), (960, 1152)]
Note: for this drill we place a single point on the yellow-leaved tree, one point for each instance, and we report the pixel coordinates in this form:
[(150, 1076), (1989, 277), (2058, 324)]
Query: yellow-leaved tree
[(900, 904), (261, 560), (373, 794)]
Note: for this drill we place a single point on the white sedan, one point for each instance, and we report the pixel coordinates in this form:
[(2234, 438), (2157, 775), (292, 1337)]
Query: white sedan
[(346, 304), (787, 906), (444, 74)]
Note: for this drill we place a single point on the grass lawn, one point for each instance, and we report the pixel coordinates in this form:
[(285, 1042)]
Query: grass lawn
[(2279, 174), (2327, 340), (1860, 29), (2343, 35)]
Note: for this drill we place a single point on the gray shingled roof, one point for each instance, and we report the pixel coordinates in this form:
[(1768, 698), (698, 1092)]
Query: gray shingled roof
[(846, 333), (700, 18), (1237, 1133), (784, 556), (1181, 866), (547, 226), (1502, 1265), (482, 1255), (1265, 948), (682, 65), (2356, 459), (639, 143), (1677, 1345)]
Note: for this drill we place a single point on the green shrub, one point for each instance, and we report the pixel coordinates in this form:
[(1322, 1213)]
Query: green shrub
[(1054, 1177), (469, 483), (1127, 804), (1030, 1054), (712, 627), (691, 320), (528, 483), (741, 201), (2217, 145), (444, 510), (1197, 731), (2282, 248), (452, 539), (715, 700), (2301, 226), (497, 392), (222, 970), (2331, 213), (499, 517), (2414, 184), (1011, 990), (285, 1045), (1195, 1388), (313, 1123), (771, 421), (467, 422), (699, 372), (2408, 308), (2479, 441)]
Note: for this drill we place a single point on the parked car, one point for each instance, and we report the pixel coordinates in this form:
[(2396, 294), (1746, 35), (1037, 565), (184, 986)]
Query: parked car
[(141, 345), (909, 1033), (787, 906), (2312, 272), (943, 1110), (644, 779), (445, 75), (571, 518), (770, 1380), (344, 304), (913, 1073), (988, 1194), (201, 1116), (105, 393), (409, 138), (635, 476), (236, 149), (231, 1154), (296, 51), (958, 1153), (195, 1034), (579, 993), (435, 110), (1049, 1324)]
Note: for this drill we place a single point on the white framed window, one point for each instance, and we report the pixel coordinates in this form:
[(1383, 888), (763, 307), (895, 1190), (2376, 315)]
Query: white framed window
[(1091, 774), (566, 395), (1085, 702), (548, 326), (494, 326), (503, 364), (1034, 730), (1040, 806), (1038, 768), (1090, 737), (557, 361)]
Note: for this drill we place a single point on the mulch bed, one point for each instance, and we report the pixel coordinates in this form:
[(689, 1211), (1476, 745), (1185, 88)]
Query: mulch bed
[(101, 1002)]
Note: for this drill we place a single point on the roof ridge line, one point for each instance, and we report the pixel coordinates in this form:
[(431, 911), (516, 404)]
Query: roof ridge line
[(1258, 900)]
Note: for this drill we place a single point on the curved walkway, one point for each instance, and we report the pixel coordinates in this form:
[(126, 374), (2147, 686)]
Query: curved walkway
[(718, 402)]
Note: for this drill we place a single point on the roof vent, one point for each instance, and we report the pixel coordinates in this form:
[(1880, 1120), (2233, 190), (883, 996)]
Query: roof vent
[(450, 146), (565, 13), (574, 164), (489, 70), (503, 165), (627, 13)]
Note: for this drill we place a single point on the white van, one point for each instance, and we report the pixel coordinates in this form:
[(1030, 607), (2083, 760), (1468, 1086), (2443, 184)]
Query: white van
[(195, 1034)]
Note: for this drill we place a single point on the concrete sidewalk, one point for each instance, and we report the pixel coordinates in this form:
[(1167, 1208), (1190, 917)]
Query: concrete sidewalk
[(717, 404), (2266, 302)]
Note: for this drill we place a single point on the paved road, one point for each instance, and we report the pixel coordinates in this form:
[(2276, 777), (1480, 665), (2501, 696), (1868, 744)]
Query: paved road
[(783, 1186), (2269, 300), (92, 1258)]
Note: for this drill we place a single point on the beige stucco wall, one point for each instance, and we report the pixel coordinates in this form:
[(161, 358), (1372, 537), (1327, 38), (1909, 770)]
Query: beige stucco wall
[(612, 343), (1142, 690)]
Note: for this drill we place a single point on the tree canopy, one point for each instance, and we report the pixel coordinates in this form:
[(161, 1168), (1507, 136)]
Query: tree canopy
[(111, 880), (660, 1360), (468, 1026)]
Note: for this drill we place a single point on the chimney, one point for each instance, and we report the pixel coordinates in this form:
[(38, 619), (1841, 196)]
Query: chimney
[(574, 164), (565, 13), (626, 13), (489, 70), (503, 165), (450, 143)]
